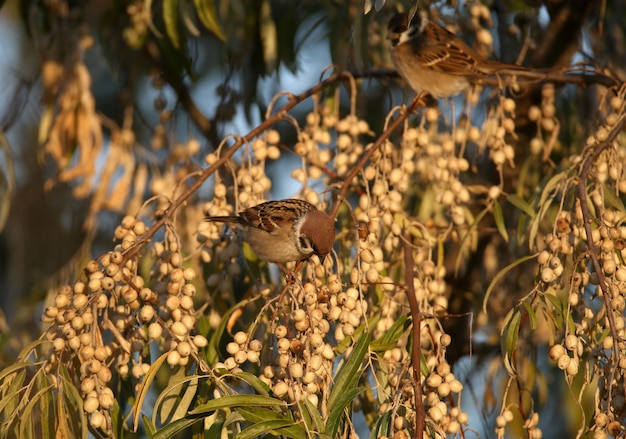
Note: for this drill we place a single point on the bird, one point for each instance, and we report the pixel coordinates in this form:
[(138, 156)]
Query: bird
[(434, 60), (282, 231)]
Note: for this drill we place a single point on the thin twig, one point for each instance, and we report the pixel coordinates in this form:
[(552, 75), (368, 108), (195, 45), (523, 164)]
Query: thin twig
[(227, 154), (373, 148), (593, 253), (416, 315)]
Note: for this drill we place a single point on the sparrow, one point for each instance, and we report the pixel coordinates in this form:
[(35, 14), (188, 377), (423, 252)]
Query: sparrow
[(434, 60), (285, 230)]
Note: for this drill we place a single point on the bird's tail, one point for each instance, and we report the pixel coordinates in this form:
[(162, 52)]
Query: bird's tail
[(512, 74)]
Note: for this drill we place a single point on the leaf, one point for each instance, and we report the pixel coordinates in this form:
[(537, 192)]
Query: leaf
[(382, 426), (346, 378), (168, 399), (391, 336), (187, 19), (176, 427), (170, 18), (259, 386), (498, 217), (532, 315), (268, 34), (11, 393), (613, 200), (215, 430), (548, 194), (314, 414), (521, 204), (274, 427), (501, 274), (208, 17), (187, 399), (29, 416), (7, 180), (557, 310), (72, 395), (269, 421), (236, 401), (145, 388), (337, 410), (510, 333), (148, 426)]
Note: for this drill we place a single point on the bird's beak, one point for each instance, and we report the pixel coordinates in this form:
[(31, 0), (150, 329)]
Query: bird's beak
[(322, 258)]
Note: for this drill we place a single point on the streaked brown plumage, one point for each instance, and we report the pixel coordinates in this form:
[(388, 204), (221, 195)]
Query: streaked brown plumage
[(433, 60), (285, 230)]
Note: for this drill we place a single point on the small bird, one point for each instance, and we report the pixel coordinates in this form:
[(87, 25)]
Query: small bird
[(433, 60), (285, 230)]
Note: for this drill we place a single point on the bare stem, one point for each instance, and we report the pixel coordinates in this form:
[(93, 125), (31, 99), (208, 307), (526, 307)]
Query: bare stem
[(587, 220), (416, 315), (228, 153)]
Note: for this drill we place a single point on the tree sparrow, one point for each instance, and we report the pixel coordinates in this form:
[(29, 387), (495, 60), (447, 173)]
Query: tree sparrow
[(433, 60), (285, 230)]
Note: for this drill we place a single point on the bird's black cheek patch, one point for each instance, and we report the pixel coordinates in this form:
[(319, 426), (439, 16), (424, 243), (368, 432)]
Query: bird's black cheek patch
[(305, 244)]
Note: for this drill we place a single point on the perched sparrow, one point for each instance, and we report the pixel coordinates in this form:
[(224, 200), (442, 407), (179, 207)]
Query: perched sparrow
[(285, 230), (434, 60)]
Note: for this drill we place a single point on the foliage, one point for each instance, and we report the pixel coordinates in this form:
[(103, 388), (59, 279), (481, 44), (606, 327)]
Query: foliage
[(504, 218)]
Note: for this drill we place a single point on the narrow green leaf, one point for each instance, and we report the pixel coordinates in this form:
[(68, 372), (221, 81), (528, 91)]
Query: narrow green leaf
[(148, 426), (187, 19), (346, 379), (382, 426), (498, 217), (613, 200), (208, 17), (521, 204), (532, 315), (169, 405), (236, 401), (13, 368), (262, 415), (71, 395), (215, 430), (314, 414), (170, 18), (465, 248), (176, 427), (63, 428), (11, 393), (348, 375), (259, 386), (510, 333), (275, 428), (269, 38), (391, 336), (117, 420), (47, 411), (187, 399), (337, 410), (557, 309), (145, 388), (29, 415), (548, 193), (501, 274), (7, 178)]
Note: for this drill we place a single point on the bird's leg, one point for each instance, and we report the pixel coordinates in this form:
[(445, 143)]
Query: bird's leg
[(420, 100), (290, 275)]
